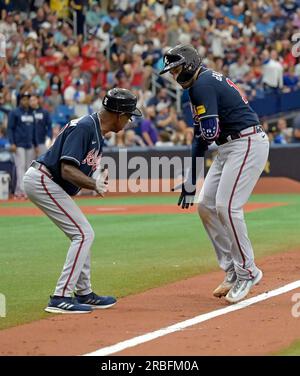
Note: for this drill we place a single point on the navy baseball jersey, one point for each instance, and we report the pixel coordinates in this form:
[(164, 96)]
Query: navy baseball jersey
[(20, 128), (80, 143), (43, 125), (214, 95)]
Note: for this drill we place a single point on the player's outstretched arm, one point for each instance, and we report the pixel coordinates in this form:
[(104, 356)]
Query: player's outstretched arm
[(72, 174)]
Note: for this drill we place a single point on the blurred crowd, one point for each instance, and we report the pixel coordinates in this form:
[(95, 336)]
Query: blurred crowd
[(68, 53)]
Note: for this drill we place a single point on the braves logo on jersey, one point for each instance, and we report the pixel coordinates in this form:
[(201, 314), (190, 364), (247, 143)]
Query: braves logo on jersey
[(92, 159)]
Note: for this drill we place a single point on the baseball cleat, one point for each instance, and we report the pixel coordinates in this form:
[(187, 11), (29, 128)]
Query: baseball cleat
[(226, 285), (242, 287), (95, 301), (61, 304)]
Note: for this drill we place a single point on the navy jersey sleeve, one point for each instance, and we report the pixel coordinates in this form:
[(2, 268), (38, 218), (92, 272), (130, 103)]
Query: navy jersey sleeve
[(204, 101), (76, 145)]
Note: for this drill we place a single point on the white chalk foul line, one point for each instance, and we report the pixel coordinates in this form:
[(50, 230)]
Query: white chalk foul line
[(196, 320)]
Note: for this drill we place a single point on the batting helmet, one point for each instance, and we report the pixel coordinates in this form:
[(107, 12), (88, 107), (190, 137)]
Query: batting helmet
[(121, 101), (185, 55)]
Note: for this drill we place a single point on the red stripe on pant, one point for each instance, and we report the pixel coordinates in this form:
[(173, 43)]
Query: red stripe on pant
[(72, 220), (229, 206)]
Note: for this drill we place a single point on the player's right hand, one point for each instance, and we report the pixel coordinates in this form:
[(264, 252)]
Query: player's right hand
[(102, 182), (187, 194)]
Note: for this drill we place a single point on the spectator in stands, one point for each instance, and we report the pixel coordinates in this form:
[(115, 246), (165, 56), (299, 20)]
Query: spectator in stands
[(79, 7), (54, 80), (290, 6), (278, 16), (181, 125), (26, 68), (266, 128), (43, 124), (238, 70), (188, 136), (248, 27), (94, 15), (3, 111), (75, 93), (161, 96), (98, 97), (282, 134), (265, 26), (22, 139), (290, 80), (60, 7), (296, 130), (132, 139), (117, 53), (151, 57), (5, 147), (296, 19), (236, 16), (40, 80), (55, 98), (165, 138), (102, 34), (166, 116), (39, 19), (221, 36), (286, 54), (272, 72), (8, 27), (148, 129)]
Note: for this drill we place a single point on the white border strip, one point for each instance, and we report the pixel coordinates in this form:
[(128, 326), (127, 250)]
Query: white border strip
[(196, 320)]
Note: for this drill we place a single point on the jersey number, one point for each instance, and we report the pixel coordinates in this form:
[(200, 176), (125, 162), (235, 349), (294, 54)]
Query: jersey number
[(232, 84)]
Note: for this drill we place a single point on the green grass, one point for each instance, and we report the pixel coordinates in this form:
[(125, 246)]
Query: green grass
[(130, 253), (293, 350)]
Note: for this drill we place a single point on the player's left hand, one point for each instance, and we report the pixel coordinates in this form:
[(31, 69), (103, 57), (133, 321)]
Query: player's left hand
[(187, 194), (102, 182)]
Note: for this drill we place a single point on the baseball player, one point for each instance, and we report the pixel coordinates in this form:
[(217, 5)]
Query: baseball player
[(222, 114), (59, 174), (43, 123), (20, 130)]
